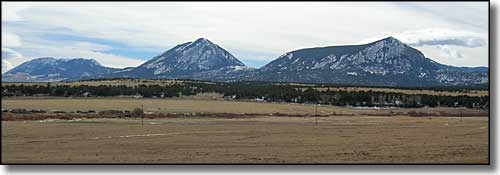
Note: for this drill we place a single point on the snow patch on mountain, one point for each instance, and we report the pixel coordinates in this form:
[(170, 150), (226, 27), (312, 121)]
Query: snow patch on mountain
[(387, 62)]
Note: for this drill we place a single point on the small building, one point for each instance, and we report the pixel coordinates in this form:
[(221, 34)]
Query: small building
[(86, 94), (260, 99)]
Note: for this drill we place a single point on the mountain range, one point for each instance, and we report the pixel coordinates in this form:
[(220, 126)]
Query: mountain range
[(387, 62)]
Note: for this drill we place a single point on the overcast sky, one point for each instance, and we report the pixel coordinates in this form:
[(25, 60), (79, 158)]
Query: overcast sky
[(122, 34)]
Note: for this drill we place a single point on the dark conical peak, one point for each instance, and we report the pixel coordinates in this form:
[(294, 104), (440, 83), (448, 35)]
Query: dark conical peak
[(197, 55), (389, 39), (202, 40)]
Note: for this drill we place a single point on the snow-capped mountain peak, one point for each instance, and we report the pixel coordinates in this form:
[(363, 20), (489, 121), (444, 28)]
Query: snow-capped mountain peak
[(185, 59), (386, 62)]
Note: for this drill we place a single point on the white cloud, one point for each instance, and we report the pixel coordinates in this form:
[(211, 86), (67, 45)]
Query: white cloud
[(443, 37), (11, 58), (435, 37), (275, 26), (469, 15), (449, 52), (10, 40), (10, 10), (266, 28), (6, 66), (90, 46)]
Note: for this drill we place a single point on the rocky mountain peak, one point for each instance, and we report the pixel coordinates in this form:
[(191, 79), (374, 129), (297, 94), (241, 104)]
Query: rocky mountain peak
[(389, 42), (188, 58), (87, 60), (203, 41)]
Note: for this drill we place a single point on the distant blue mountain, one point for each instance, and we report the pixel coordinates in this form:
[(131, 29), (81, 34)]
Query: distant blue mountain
[(51, 69)]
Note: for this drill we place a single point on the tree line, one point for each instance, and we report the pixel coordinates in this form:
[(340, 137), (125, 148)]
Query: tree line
[(251, 90)]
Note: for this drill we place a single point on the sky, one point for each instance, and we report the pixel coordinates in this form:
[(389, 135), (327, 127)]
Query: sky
[(124, 34)]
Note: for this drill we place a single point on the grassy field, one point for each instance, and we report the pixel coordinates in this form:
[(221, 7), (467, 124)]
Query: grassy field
[(339, 139), (267, 133), (193, 105)]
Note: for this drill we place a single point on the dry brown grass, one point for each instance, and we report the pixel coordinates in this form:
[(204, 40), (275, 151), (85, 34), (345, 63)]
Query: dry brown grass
[(337, 139), (216, 106), (216, 131)]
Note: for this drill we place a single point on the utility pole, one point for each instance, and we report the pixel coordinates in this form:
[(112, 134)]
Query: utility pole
[(316, 110), (142, 116), (316, 115), (317, 104)]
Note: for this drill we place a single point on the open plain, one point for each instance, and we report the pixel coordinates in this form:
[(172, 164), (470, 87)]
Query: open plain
[(337, 135)]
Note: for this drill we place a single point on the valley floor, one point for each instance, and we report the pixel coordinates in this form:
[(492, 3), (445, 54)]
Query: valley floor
[(250, 140), (338, 135)]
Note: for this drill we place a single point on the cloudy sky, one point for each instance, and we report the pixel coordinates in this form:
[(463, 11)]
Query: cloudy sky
[(129, 33)]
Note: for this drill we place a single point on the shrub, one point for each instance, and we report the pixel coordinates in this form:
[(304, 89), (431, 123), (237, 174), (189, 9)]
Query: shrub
[(416, 114), (20, 111), (138, 112), (110, 113)]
